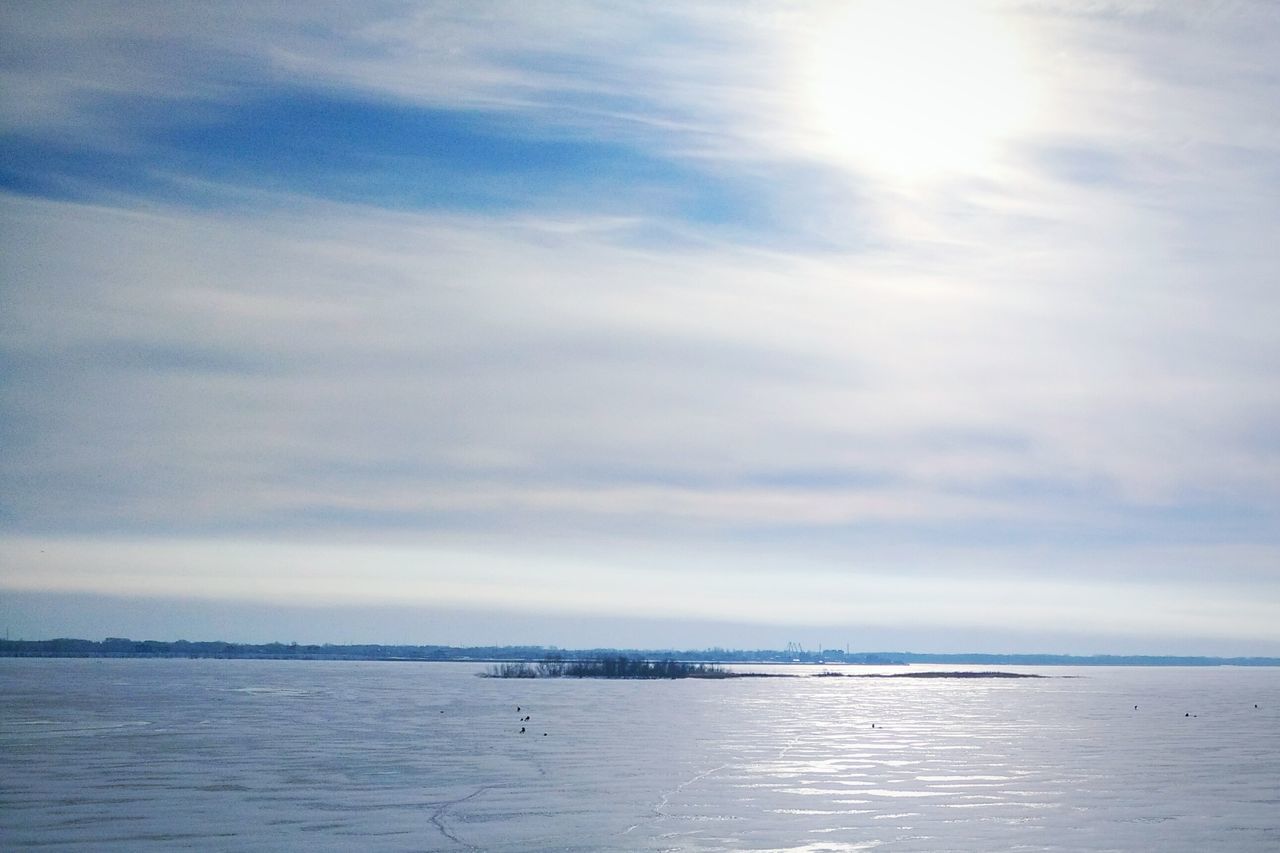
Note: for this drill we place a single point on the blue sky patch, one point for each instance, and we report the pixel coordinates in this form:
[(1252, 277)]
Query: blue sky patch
[(405, 157)]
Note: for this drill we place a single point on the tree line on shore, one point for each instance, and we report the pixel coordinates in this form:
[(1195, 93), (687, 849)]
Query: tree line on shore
[(119, 647), (612, 666)]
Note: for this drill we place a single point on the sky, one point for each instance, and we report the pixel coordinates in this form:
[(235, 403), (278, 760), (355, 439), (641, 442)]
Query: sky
[(918, 325)]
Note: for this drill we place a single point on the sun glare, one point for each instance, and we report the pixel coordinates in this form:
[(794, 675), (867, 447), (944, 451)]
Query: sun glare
[(916, 90)]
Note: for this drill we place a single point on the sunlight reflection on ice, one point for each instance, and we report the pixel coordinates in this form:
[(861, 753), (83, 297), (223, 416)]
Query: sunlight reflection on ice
[(285, 756)]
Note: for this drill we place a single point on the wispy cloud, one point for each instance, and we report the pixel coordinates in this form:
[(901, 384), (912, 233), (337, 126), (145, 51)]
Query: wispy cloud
[(474, 279)]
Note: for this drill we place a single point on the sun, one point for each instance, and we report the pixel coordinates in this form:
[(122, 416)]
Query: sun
[(916, 90)]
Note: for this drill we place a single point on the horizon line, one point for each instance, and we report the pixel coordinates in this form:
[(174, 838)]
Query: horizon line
[(112, 647)]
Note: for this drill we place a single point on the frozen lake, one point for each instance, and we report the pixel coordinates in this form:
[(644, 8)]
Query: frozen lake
[(102, 755)]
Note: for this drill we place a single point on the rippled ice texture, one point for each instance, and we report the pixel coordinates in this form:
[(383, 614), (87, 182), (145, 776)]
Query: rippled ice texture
[(276, 756)]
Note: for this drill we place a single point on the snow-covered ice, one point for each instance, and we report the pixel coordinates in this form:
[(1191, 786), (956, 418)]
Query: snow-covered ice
[(120, 755)]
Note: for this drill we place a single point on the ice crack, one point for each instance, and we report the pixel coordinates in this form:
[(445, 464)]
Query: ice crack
[(437, 819)]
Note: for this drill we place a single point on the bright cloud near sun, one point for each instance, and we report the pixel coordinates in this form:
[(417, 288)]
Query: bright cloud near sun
[(914, 91)]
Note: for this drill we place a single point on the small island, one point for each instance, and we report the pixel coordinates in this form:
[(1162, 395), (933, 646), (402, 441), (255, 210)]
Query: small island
[(620, 666), (614, 667), (929, 674)]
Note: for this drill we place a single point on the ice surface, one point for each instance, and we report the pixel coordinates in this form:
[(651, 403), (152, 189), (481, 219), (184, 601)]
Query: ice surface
[(296, 755)]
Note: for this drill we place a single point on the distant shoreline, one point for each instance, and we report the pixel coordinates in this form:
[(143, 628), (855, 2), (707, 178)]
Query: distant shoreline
[(119, 647)]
